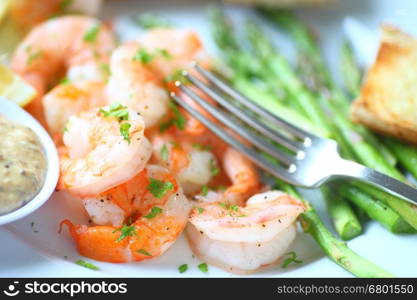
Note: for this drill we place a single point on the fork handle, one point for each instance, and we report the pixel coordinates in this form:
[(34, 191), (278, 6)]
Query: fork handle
[(378, 179)]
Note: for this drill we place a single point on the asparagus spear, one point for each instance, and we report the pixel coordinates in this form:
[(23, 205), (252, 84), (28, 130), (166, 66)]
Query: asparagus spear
[(367, 155), (376, 210), (344, 219), (348, 225), (335, 249), (352, 76)]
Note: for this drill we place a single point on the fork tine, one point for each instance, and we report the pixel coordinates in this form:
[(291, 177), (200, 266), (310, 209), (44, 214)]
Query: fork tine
[(298, 132), (254, 156), (222, 117), (272, 134)]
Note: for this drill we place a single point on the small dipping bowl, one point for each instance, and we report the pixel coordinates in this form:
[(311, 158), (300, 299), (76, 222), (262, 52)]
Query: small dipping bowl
[(18, 115)]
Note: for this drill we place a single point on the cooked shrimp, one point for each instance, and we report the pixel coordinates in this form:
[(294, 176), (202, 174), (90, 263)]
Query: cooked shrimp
[(69, 99), (244, 239), (173, 50), (27, 13), (159, 223), (134, 84), (115, 205), (99, 153), (77, 44), (192, 163)]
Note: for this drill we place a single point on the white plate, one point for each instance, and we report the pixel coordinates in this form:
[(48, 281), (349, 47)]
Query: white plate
[(46, 253)]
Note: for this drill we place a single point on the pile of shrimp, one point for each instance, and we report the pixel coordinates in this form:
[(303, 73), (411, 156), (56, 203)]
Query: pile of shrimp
[(143, 168)]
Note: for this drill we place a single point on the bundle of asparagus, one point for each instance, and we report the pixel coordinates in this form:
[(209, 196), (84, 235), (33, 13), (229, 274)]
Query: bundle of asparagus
[(318, 105)]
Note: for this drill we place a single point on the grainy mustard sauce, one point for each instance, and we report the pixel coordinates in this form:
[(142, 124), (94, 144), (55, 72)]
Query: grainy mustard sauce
[(22, 165)]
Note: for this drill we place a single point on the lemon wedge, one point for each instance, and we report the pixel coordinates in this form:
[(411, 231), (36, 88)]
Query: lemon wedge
[(14, 88)]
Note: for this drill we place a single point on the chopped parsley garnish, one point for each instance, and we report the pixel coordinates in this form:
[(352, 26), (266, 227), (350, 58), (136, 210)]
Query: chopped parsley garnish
[(291, 259), (183, 268), (87, 265), (124, 131), (214, 169), (164, 53), (144, 252), (33, 54), (178, 119), (159, 188), (116, 110), (221, 188), (164, 152), (91, 34), (233, 209), (154, 212), (105, 68), (63, 5), (201, 147), (64, 81), (148, 21), (122, 114), (200, 210), (143, 56), (204, 190), (176, 75), (125, 231), (203, 267)]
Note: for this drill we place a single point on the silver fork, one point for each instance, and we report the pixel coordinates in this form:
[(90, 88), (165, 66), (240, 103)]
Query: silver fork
[(307, 160)]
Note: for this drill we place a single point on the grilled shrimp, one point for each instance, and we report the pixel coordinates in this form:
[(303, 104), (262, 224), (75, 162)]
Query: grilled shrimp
[(27, 13), (161, 217), (101, 150), (69, 99), (173, 50), (242, 239), (193, 164), (134, 84), (78, 45)]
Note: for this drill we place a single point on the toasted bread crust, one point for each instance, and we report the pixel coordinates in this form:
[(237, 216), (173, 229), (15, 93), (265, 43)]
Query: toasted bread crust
[(388, 99)]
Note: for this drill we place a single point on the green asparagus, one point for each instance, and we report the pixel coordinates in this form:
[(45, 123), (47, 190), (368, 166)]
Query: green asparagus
[(334, 249), (339, 104)]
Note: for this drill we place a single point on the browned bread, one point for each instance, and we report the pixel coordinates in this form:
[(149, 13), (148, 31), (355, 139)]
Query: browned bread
[(388, 100)]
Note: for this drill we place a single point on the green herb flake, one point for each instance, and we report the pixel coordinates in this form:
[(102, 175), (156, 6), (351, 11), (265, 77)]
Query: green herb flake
[(200, 210), (124, 131), (291, 259), (159, 188), (164, 153), (164, 53), (126, 230), (87, 265), (149, 21), (91, 34), (33, 54), (64, 81), (201, 147), (116, 110), (179, 119), (144, 252), (143, 56), (204, 190), (176, 75), (183, 268), (64, 4), (214, 169), (105, 68), (203, 267), (154, 212)]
